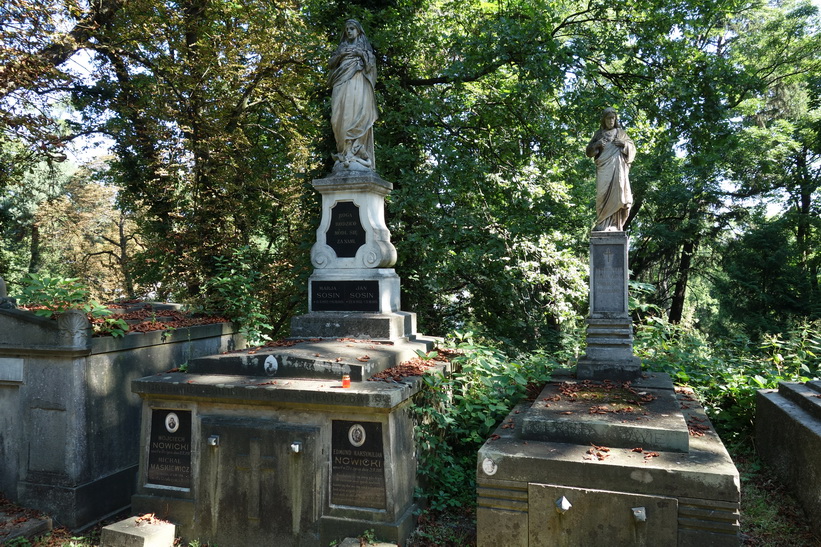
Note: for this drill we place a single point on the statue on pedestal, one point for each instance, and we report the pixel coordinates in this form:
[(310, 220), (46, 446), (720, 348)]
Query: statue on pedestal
[(613, 151), (352, 74)]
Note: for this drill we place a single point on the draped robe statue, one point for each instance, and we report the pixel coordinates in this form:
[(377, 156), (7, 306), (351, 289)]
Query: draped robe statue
[(613, 151), (352, 75)]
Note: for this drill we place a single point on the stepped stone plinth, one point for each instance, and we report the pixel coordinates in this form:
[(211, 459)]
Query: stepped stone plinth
[(607, 455)]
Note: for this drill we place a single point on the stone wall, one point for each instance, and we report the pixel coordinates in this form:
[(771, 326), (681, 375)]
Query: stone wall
[(788, 439), (69, 424)]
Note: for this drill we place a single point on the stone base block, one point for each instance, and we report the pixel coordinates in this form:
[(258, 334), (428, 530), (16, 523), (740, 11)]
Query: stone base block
[(134, 532), (788, 438), (609, 353), (543, 492), (178, 511), (594, 369), (334, 528), (11, 527), (371, 326), (78, 506)]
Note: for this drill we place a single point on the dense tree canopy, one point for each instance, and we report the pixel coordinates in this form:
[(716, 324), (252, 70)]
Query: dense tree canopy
[(219, 116)]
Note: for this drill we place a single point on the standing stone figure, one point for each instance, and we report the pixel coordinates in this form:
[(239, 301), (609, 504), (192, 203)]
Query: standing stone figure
[(352, 74), (613, 152)]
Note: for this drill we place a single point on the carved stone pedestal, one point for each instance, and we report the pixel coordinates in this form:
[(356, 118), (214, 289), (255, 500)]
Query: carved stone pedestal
[(353, 291), (609, 327)]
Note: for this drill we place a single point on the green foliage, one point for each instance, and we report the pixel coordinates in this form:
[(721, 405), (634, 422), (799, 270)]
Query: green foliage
[(51, 296), (456, 412), (368, 536), (727, 373), (235, 289), (454, 528), (54, 295)]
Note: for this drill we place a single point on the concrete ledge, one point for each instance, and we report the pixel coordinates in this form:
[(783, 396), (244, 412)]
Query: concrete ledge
[(108, 344), (135, 532), (788, 439), (306, 393)]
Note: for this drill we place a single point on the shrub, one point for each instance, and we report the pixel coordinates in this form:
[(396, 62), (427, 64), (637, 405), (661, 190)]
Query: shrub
[(52, 296), (456, 412)]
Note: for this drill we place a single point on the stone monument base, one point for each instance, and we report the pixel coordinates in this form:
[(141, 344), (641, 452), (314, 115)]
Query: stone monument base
[(372, 326), (788, 438), (609, 354), (269, 447), (575, 468)]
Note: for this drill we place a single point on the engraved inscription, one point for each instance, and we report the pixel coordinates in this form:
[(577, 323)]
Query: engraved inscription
[(608, 279), (169, 451), (357, 464), (345, 234), (345, 296)]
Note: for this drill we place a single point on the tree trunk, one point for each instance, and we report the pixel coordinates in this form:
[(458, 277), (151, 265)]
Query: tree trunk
[(680, 291), (34, 247)]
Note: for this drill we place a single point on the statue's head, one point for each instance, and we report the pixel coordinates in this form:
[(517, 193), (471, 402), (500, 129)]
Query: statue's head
[(609, 118), (353, 30)]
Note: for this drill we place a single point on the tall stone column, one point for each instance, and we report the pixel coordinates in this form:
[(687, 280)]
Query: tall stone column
[(609, 326)]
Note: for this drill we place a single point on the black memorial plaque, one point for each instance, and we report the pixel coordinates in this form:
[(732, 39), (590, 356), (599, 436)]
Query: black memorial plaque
[(345, 295), (357, 465), (345, 234), (169, 451)]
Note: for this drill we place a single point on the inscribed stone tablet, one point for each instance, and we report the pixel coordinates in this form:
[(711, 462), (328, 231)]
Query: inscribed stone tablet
[(345, 295), (169, 451), (345, 234), (357, 464), (609, 289)]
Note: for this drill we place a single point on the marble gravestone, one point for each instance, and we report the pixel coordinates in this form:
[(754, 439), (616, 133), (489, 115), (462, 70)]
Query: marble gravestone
[(268, 446), (608, 455)]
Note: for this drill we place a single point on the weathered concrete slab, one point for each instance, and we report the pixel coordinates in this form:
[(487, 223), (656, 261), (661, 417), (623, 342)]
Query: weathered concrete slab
[(138, 532), (788, 439), (620, 415), (629, 519), (315, 358), (354, 542), (17, 525)]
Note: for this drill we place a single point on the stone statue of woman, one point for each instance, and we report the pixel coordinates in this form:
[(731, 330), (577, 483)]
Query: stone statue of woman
[(613, 152), (352, 74)]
